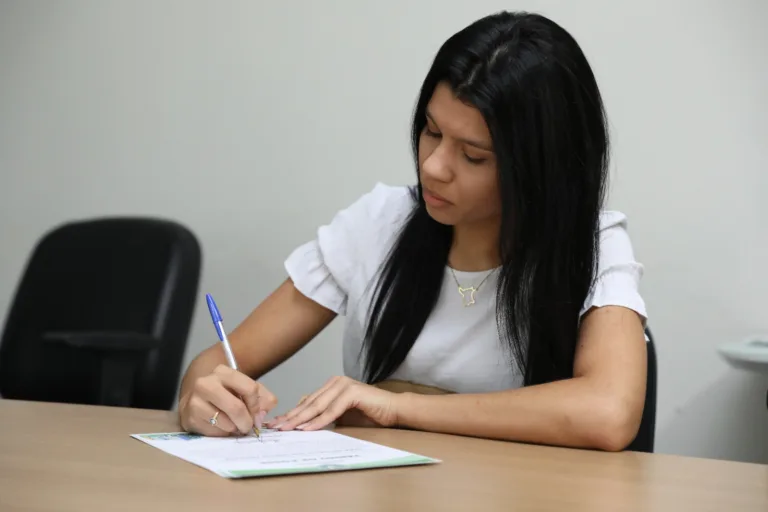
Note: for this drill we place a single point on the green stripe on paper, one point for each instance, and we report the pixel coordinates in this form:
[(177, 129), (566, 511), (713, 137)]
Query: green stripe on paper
[(410, 460)]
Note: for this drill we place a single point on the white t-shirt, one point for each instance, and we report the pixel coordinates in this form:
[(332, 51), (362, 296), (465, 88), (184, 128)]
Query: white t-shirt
[(459, 348)]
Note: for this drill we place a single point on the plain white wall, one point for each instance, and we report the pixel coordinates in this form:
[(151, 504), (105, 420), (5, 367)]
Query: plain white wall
[(253, 122)]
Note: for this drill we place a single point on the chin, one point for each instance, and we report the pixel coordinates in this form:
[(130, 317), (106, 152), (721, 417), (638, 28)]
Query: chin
[(441, 216)]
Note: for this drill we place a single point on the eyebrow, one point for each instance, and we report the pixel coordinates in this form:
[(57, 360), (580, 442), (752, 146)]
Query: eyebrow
[(471, 142)]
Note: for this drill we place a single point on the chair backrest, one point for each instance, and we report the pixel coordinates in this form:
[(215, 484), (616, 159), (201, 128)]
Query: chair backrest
[(645, 438), (128, 274)]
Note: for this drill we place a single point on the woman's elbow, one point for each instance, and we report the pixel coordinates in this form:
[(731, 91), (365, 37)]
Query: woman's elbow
[(613, 427)]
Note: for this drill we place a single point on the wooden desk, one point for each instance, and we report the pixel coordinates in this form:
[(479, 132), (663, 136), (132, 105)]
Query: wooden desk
[(78, 458)]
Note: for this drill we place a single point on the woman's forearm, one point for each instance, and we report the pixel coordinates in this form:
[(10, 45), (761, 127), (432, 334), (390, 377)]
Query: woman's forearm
[(275, 330), (573, 412)]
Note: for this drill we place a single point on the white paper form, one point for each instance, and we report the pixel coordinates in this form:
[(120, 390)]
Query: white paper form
[(280, 453)]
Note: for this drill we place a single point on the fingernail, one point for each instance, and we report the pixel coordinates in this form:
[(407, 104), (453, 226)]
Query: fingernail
[(258, 419), (302, 426)]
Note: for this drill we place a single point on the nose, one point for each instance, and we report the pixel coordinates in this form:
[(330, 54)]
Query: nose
[(436, 165)]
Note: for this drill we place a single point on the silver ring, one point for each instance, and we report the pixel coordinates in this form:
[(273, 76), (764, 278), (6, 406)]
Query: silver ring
[(213, 421)]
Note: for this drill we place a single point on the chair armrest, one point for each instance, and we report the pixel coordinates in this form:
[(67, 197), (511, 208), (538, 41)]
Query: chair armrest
[(106, 341)]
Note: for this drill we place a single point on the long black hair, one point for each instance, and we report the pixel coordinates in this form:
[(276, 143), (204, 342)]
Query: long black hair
[(536, 91)]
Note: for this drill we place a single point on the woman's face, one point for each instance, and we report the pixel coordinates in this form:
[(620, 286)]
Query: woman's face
[(457, 165)]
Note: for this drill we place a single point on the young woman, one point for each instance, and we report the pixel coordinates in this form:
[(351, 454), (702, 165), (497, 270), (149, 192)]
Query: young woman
[(495, 298)]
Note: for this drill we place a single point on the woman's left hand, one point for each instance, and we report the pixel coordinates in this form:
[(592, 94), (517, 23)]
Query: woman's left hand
[(339, 395)]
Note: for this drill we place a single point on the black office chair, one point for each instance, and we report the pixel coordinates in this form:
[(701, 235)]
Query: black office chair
[(102, 313), (645, 438)]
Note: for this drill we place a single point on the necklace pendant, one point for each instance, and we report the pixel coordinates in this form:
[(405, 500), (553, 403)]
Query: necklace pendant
[(467, 295)]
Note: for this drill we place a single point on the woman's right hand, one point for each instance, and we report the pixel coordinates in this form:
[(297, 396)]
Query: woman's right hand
[(240, 401)]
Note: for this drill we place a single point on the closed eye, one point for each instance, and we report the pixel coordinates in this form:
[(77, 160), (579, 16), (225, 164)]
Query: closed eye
[(437, 135), (475, 161)]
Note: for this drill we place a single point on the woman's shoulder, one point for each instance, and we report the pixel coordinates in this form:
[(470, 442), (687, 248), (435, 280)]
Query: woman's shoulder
[(382, 204), (373, 216), (615, 242), (619, 273), (349, 247), (612, 218)]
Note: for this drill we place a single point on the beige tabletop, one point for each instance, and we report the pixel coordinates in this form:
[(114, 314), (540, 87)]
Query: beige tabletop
[(81, 458)]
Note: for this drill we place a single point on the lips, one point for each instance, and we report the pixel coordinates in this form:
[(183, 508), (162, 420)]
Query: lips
[(436, 196)]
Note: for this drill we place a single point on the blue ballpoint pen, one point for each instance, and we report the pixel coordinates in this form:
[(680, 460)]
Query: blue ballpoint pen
[(217, 322)]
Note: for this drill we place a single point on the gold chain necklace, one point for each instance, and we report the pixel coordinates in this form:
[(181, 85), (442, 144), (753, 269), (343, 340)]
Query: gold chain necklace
[(468, 293)]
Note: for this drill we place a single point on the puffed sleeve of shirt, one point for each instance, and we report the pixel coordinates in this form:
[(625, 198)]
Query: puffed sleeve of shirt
[(325, 268), (618, 277)]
